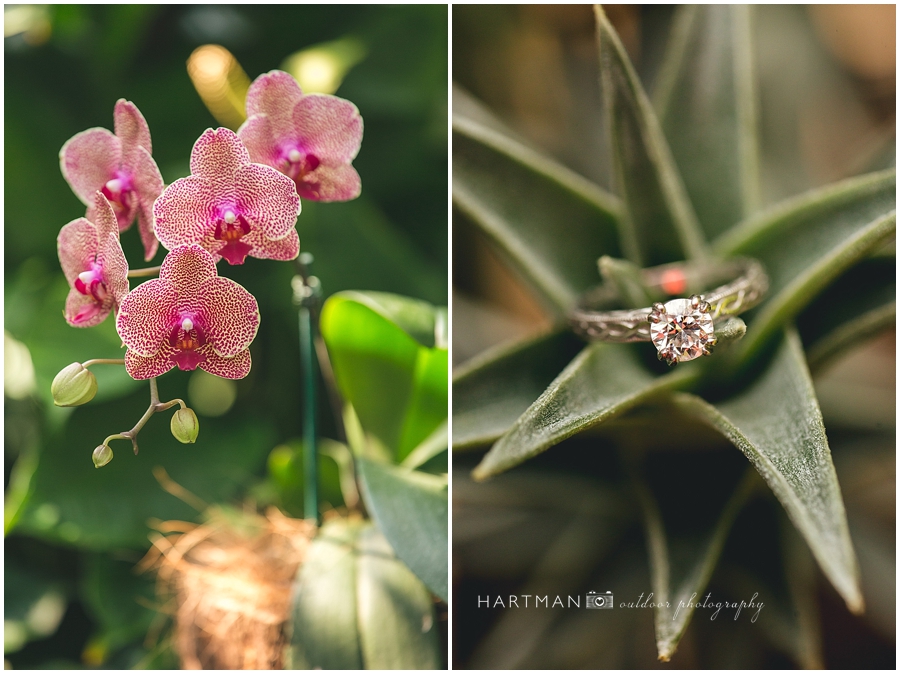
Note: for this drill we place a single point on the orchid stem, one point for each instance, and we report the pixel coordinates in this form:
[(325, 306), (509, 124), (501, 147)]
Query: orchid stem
[(155, 406), (146, 271), (103, 361)]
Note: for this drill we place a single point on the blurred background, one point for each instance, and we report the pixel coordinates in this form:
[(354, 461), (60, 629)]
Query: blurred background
[(826, 77), (73, 533)]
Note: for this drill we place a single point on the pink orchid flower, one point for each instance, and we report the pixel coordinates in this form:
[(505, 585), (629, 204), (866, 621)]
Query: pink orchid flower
[(310, 138), (94, 265), (190, 317), (121, 167), (230, 206)]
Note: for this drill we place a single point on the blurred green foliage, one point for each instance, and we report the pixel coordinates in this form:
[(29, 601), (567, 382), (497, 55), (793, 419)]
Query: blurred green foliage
[(393, 239)]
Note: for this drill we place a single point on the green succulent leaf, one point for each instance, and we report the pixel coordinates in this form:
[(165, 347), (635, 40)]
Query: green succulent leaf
[(429, 448), (603, 381), (384, 367), (410, 507), (705, 98), (547, 221), (493, 390), (357, 606), (676, 584), (660, 224), (777, 424), (807, 242)]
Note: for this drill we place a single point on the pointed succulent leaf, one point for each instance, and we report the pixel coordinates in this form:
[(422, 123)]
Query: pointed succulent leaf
[(777, 424), (859, 304), (705, 98), (357, 606), (548, 222), (429, 448), (493, 390), (660, 224), (310, 138), (397, 386), (807, 242), (676, 586), (603, 381), (410, 508)]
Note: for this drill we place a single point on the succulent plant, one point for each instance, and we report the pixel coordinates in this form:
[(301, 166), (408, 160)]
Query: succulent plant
[(587, 444)]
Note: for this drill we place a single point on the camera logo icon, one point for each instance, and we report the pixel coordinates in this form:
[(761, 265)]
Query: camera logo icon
[(597, 600)]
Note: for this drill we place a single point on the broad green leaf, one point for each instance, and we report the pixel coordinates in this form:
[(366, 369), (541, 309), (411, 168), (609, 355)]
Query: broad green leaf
[(858, 305), (397, 386), (324, 614), (429, 448), (660, 224), (396, 613), (706, 101), (548, 222), (777, 424), (676, 580), (493, 390), (356, 606), (602, 381), (410, 508), (808, 241)]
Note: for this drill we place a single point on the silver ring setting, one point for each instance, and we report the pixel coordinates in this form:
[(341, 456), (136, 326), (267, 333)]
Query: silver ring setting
[(682, 329)]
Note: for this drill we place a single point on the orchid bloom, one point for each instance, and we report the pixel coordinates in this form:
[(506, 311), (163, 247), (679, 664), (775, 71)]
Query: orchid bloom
[(311, 138), (121, 167), (230, 206), (94, 265), (190, 317)]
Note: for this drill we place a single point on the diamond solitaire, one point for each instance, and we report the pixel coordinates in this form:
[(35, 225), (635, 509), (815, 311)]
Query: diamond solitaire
[(681, 329)]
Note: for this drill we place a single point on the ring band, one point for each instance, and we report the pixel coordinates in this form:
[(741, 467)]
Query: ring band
[(682, 329)]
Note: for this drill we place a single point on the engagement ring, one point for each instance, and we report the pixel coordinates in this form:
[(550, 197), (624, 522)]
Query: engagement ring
[(681, 329)]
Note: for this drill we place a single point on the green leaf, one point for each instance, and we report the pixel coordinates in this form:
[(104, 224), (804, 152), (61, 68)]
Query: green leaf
[(397, 386), (429, 448), (493, 390), (859, 304), (410, 508), (706, 101), (674, 584), (807, 242), (777, 424), (604, 380), (357, 606), (548, 222), (660, 224)]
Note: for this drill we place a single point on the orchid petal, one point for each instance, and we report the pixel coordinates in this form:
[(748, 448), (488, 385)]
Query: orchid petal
[(88, 160), (148, 185), (146, 316), (115, 268), (330, 183), (285, 248), (142, 367), (230, 314), (77, 245), (185, 211), (131, 130), (236, 367), (188, 268), (329, 127), (103, 216), (217, 154), (82, 311), (257, 135), (274, 94), (268, 198)]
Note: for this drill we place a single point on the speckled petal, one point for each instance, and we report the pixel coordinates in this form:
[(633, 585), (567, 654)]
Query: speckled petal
[(268, 199), (148, 185), (102, 215), (88, 160), (141, 367), (187, 268), (274, 94), (330, 183), (256, 134), (146, 316), (82, 311), (285, 248), (131, 130), (186, 211), (77, 245), (230, 313), (237, 367), (329, 127), (115, 268), (217, 154)]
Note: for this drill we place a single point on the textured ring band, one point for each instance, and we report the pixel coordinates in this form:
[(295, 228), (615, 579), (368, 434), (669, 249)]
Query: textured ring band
[(682, 329)]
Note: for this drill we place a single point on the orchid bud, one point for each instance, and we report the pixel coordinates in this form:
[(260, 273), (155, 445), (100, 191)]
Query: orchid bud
[(102, 456), (74, 385), (185, 425)]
